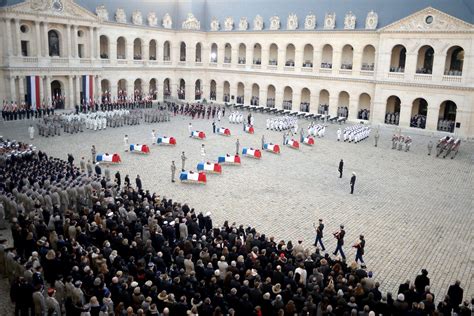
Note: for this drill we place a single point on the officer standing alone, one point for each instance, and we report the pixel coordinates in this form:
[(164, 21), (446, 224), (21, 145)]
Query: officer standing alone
[(173, 171)]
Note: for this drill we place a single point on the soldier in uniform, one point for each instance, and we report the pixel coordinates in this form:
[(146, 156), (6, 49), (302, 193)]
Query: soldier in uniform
[(360, 245), (376, 137), (237, 146), (183, 160), (173, 171), (430, 147), (319, 234), (340, 241)]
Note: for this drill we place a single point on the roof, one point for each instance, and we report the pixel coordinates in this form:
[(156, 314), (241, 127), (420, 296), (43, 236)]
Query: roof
[(388, 11)]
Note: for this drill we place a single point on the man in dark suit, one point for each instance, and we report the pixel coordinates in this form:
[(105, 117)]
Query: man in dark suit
[(341, 168), (421, 281), (138, 182), (455, 293), (353, 181)]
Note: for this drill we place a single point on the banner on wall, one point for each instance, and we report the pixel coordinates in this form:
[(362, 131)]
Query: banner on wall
[(88, 87), (33, 91)]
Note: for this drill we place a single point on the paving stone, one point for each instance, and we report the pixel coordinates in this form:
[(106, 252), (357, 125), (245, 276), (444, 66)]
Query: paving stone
[(416, 211)]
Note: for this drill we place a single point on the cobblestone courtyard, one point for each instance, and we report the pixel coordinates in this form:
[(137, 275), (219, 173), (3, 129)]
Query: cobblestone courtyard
[(416, 211)]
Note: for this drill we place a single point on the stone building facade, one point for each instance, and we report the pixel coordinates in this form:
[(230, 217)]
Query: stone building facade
[(416, 72)]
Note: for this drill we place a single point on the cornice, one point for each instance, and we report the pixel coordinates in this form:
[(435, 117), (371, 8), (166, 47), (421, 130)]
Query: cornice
[(292, 75)]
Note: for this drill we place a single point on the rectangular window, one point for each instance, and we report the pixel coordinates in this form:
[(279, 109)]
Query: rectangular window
[(24, 48)]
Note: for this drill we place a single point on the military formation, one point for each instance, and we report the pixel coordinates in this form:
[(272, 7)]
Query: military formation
[(236, 117), (316, 129), (156, 115), (95, 121), (399, 142), (448, 145), (282, 123), (13, 111), (356, 133)]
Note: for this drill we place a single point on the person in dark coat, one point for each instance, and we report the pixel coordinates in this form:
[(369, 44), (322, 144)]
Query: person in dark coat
[(341, 168), (353, 181), (138, 182), (421, 281), (98, 171), (118, 179), (455, 293), (127, 181)]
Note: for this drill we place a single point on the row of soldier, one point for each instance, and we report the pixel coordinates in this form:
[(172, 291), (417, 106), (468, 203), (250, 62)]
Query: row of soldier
[(107, 105), (198, 110), (13, 111), (236, 117), (282, 123), (156, 115), (447, 145), (400, 141), (316, 129), (356, 133)]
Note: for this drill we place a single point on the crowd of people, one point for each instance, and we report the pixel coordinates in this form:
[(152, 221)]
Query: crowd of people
[(392, 118), (236, 117), (355, 133), (92, 245), (316, 129)]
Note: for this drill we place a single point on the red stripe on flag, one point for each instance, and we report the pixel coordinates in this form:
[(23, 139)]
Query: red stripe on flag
[(37, 86)]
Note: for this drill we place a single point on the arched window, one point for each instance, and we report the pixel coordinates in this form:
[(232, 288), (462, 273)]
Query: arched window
[(392, 110), (398, 58), (425, 60), (454, 61), (53, 42)]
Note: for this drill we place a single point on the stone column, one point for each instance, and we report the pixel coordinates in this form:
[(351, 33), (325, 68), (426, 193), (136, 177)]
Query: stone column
[(145, 50), (70, 100), (68, 35), (48, 90), (336, 58), (353, 109), (281, 58), (265, 56), (314, 100), (299, 59), (13, 95), (9, 37), (113, 90), (189, 90), (38, 39), (41, 89), (219, 92), (296, 99), (405, 115), (438, 67), (410, 66), (91, 40), (247, 93), (220, 54), (356, 61), (45, 40), (74, 42), (98, 88), (248, 56), (21, 88), (317, 57), (78, 89), (333, 104), (17, 38), (278, 97), (234, 55), (262, 97), (432, 118), (97, 44), (233, 92)]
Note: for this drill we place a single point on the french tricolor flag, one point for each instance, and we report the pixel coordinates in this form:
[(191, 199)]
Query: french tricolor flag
[(198, 134), (209, 166), (88, 87), (190, 176), (250, 152), (229, 159), (223, 131), (309, 140), (166, 140), (249, 129), (272, 148), (293, 144), (139, 148), (114, 158), (33, 91)]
